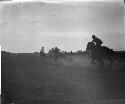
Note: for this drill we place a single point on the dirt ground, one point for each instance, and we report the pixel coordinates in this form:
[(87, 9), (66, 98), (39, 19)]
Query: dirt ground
[(72, 80)]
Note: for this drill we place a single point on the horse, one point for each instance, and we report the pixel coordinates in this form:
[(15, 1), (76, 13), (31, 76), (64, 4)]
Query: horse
[(58, 55), (100, 53), (55, 54)]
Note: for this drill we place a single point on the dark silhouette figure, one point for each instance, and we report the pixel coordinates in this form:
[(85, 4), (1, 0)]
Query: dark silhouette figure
[(56, 53), (100, 54), (51, 53), (96, 40), (42, 49), (56, 50), (42, 54)]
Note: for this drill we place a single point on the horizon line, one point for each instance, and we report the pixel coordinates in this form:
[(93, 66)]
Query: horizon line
[(60, 51), (55, 1)]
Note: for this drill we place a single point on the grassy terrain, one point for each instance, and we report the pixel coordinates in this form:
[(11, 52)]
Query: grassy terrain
[(72, 80)]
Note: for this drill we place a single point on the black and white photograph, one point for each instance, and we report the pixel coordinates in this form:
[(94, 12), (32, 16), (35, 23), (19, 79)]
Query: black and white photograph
[(62, 51)]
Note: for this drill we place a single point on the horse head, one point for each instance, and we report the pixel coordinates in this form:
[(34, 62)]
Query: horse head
[(90, 46)]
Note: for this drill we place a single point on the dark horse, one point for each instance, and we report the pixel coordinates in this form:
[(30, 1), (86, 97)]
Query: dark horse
[(100, 53), (55, 54)]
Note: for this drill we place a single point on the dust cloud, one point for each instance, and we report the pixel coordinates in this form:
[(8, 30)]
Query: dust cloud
[(84, 61)]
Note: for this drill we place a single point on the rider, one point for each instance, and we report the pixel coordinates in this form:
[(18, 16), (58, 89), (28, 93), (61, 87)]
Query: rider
[(97, 41), (56, 50), (42, 54), (42, 49)]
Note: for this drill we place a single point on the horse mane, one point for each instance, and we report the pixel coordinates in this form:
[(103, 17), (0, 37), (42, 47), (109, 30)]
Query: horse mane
[(91, 43)]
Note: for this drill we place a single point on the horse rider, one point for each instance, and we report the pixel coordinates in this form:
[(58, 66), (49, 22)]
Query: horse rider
[(96, 40), (56, 50), (42, 50), (42, 54)]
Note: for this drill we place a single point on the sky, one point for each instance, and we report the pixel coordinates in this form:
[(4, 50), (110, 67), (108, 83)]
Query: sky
[(27, 26), (63, 0)]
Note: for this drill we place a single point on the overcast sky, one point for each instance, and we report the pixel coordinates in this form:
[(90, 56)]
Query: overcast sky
[(25, 27), (63, 0)]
